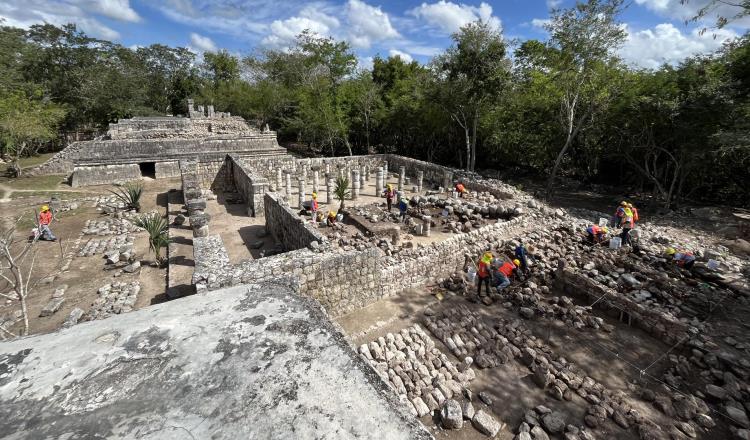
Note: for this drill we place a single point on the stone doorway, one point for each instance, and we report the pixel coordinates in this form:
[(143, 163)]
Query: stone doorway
[(148, 169)]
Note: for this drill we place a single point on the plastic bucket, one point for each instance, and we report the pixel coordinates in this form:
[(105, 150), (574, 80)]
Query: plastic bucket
[(603, 221), (615, 243), (472, 275)]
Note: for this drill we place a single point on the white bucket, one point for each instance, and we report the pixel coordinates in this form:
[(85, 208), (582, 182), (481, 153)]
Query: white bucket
[(712, 264), (615, 243), (603, 221), (472, 275)]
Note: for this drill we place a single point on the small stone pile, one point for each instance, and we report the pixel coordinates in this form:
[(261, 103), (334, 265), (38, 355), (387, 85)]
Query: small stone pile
[(422, 376), (114, 298), (120, 243), (109, 226)]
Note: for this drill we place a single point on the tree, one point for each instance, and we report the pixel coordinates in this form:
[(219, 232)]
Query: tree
[(723, 11), (25, 122), (471, 73), (580, 59), (366, 101)]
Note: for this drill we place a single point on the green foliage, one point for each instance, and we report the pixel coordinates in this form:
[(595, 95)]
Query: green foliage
[(341, 191), (130, 195), (158, 233)]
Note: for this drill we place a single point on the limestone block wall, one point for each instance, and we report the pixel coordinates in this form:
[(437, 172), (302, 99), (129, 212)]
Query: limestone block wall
[(166, 170), (440, 259), (250, 185), (435, 174), (286, 226), (98, 175), (211, 263), (214, 175), (665, 327)]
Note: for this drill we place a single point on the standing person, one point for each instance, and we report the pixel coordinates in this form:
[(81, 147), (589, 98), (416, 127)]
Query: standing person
[(389, 194), (314, 207), (619, 214), (627, 225), (45, 219), (483, 272), (634, 211), (521, 254), (403, 206)]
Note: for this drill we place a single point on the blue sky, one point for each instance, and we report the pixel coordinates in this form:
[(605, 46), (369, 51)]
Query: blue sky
[(412, 29)]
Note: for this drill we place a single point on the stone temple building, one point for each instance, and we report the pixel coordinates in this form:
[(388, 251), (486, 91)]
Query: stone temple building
[(152, 147)]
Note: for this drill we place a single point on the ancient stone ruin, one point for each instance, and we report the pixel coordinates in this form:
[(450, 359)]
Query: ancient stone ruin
[(373, 324)]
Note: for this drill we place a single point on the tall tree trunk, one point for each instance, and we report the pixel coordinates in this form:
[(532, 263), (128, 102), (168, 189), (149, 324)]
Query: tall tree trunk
[(468, 148), (25, 312), (474, 142)]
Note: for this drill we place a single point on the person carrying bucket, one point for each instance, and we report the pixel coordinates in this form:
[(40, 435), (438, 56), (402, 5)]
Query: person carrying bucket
[(483, 272)]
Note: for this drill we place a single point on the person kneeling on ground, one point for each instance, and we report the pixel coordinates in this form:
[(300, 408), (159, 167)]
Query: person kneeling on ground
[(683, 259), (45, 219), (502, 274), (461, 189), (596, 234), (483, 272), (331, 220)]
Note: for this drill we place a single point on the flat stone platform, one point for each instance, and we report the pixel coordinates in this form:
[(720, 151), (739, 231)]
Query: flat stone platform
[(253, 361)]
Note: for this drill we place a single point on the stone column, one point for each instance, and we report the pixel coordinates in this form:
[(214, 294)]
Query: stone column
[(367, 173), (447, 181), (288, 186), (426, 224), (362, 178), (329, 189), (328, 169), (355, 184), (279, 178), (316, 177), (301, 185), (379, 187), (420, 180), (401, 178), (385, 170), (304, 171)]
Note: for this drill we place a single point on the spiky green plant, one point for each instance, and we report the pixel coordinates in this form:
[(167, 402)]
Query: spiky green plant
[(130, 195), (158, 233), (341, 192)]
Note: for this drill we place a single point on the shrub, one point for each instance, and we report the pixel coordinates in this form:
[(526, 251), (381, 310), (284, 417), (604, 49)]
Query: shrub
[(130, 195)]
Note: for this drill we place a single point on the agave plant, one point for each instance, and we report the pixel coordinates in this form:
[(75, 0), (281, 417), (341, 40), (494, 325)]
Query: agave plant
[(342, 190), (130, 195), (157, 228)]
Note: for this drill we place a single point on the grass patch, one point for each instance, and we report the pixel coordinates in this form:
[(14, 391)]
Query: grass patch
[(28, 162), (47, 194), (39, 183)]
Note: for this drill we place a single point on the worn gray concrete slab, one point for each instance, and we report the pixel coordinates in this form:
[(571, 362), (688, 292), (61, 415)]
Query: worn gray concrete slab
[(250, 362)]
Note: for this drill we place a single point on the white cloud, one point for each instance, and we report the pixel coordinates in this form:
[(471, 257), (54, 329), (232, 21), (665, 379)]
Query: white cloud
[(365, 63), (650, 48), (678, 10), (367, 24), (554, 4), (24, 13), (450, 17), (201, 43), (284, 32), (405, 57), (540, 23)]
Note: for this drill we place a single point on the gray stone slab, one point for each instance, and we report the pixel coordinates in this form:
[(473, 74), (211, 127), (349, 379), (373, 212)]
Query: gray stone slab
[(244, 362)]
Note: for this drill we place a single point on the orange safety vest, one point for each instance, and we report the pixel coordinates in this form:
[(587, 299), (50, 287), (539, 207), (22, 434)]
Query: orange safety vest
[(460, 188), (45, 218), (635, 213), (314, 205), (507, 269), (483, 270)]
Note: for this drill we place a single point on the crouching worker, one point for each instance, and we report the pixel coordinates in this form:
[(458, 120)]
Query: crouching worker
[(44, 220), (522, 255), (461, 190), (597, 234), (331, 220), (684, 259), (483, 273), (403, 207), (502, 274)]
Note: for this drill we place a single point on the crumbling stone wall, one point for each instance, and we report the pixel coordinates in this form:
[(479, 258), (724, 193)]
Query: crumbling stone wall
[(437, 175), (166, 170), (84, 175), (211, 263), (250, 185), (286, 226), (192, 193), (662, 326)]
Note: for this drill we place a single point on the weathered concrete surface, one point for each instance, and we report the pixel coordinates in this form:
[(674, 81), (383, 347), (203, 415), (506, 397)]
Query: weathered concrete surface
[(251, 362)]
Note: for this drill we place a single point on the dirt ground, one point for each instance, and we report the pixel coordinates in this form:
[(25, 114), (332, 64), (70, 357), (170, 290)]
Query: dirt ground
[(84, 275)]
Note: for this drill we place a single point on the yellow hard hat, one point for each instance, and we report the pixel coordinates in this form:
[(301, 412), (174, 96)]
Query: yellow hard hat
[(670, 251), (605, 229), (45, 208), (517, 262), (390, 186), (331, 213), (623, 203), (314, 195)]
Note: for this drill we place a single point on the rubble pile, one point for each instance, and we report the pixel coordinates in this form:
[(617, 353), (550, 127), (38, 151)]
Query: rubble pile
[(114, 298), (123, 243)]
